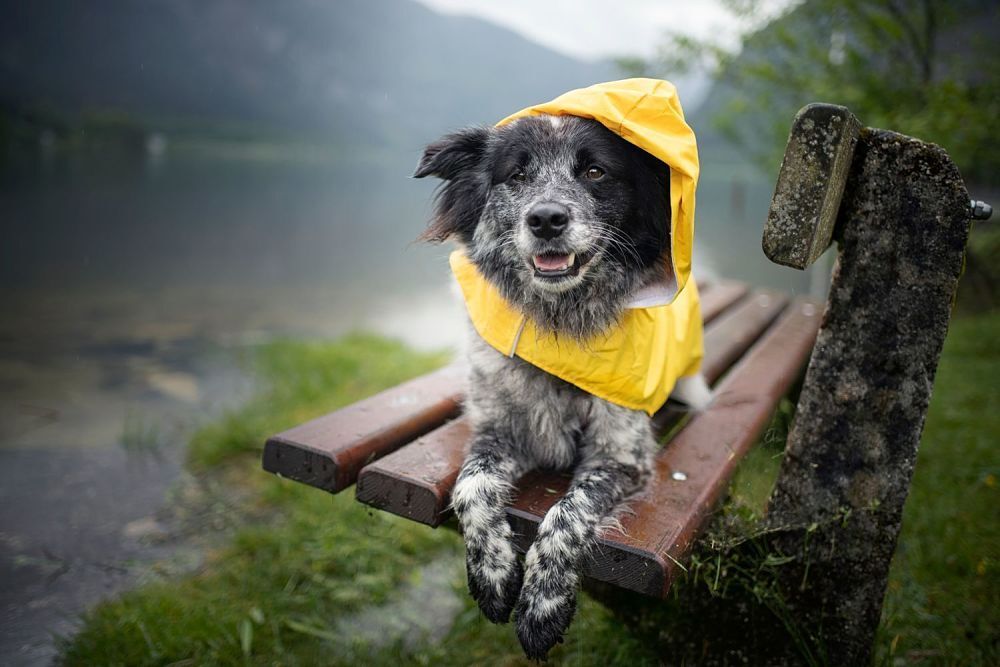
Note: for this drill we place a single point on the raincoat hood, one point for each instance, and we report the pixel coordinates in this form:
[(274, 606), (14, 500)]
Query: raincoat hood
[(659, 338)]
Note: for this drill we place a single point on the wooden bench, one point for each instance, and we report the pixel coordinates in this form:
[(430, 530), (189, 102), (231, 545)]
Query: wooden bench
[(899, 211), (404, 447)]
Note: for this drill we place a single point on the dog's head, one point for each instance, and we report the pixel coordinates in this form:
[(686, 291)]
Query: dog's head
[(563, 216)]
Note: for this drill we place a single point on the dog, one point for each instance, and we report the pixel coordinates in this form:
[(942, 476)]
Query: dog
[(566, 221)]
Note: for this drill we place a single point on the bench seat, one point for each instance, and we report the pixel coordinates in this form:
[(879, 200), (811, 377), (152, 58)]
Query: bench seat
[(404, 446)]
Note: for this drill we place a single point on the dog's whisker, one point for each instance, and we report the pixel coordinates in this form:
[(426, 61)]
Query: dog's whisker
[(629, 253), (614, 232)]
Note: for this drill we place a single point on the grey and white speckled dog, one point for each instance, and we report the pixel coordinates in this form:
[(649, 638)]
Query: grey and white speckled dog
[(567, 220)]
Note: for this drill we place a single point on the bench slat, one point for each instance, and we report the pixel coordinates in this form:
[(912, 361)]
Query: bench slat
[(717, 297), (328, 452), (416, 481), (661, 522)]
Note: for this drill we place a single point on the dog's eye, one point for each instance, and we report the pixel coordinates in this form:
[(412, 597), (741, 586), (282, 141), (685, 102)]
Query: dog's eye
[(519, 176), (595, 174)]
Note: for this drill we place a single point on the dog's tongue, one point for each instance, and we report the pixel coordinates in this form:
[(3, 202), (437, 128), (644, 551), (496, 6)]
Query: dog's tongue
[(551, 262)]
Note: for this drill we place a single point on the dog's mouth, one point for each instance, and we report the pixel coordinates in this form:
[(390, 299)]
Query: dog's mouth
[(553, 265)]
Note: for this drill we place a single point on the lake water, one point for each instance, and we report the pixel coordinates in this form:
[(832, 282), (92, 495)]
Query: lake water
[(132, 288)]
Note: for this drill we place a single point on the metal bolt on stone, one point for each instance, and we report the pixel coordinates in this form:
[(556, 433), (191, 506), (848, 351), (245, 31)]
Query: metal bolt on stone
[(900, 214), (980, 210)]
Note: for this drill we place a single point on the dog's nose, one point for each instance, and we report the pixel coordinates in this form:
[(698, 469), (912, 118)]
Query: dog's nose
[(547, 220)]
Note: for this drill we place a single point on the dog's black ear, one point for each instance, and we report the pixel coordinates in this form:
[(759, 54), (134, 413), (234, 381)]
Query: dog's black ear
[(453, 154), (461, 160)]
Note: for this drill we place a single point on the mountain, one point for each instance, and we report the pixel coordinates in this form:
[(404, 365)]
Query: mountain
[(377, 72)]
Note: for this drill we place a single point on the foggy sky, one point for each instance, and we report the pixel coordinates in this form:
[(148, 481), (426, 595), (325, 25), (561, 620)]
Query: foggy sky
[(592, 29)]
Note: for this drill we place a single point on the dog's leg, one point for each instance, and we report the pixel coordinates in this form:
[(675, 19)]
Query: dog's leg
[(616, 463), (480, 498)]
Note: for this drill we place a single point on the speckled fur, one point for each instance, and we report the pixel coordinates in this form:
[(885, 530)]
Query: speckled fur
[(522, 417)]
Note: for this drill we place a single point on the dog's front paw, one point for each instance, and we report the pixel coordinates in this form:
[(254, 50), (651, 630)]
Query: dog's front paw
[(494, 582), (541, 620)]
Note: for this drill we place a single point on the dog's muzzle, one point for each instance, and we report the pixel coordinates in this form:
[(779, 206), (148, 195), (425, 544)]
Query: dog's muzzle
[(553, 258)]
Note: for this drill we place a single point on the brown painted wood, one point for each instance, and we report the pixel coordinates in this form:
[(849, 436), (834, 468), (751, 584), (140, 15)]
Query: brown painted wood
[(661, 523), (415, 481), (328, 452), (417, 484), (717, 297), (731, 334)]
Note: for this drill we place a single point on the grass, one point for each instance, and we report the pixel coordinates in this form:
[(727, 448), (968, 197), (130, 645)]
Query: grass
[(282, 591), (277, 590), (944, 590)]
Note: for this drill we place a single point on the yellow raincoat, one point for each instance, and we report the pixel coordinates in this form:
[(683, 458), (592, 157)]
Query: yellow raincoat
[(636, 363)]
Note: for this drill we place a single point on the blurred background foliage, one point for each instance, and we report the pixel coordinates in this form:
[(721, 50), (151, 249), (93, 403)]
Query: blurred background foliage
[(926, 68)]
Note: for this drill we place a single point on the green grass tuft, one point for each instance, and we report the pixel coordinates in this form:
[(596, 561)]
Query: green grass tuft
[(276, 590), (944, 587)]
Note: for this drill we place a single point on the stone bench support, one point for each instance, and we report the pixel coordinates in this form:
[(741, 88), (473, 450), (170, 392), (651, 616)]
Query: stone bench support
[(899, 211)]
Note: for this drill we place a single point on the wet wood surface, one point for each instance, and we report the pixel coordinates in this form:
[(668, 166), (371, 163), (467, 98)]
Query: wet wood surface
[(330, 451)]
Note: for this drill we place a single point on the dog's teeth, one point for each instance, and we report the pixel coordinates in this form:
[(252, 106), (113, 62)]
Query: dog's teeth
[(554, 263)]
